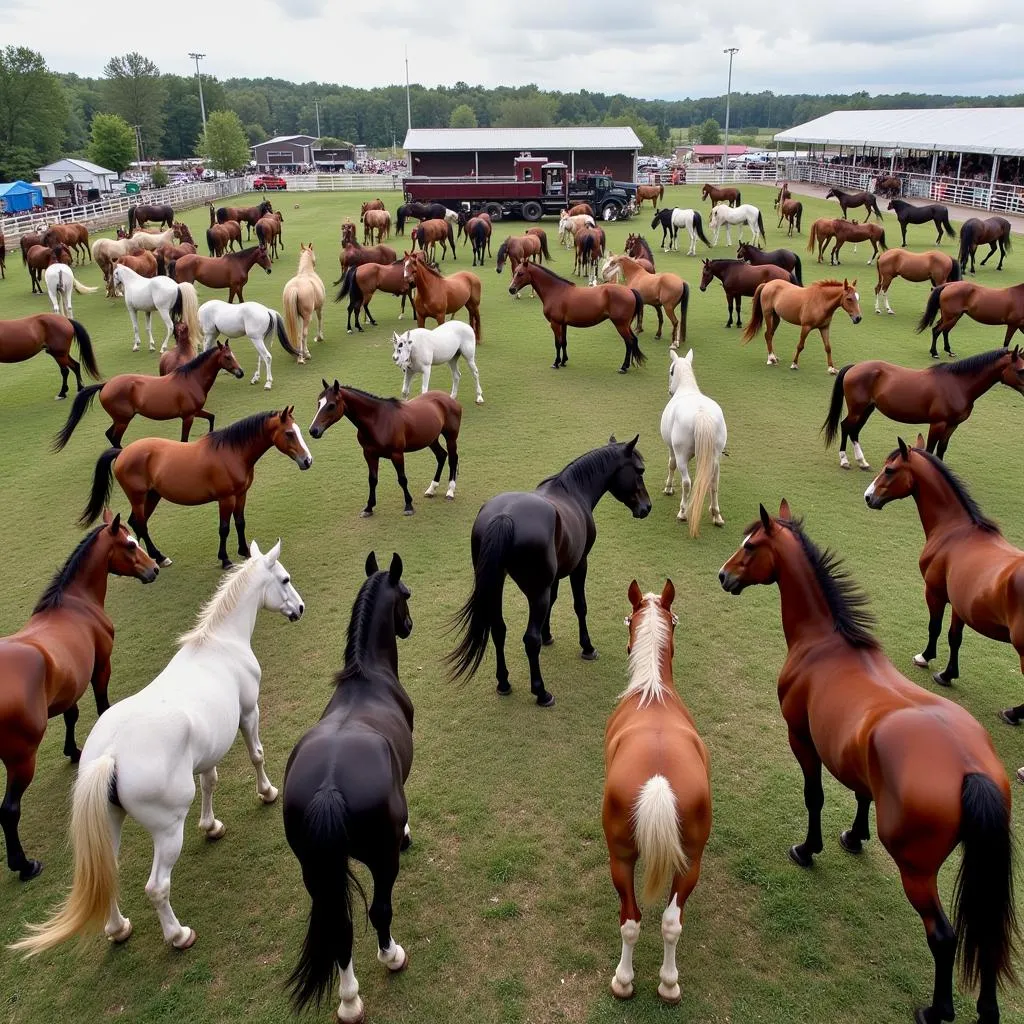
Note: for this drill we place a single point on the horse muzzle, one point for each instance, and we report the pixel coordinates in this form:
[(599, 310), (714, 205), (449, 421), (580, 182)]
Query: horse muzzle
[(873, 500), (295, 616), (642, 510), (238, 373), (856, 319), (150, 575), (512, 290), (304, 461), (316, 432), (731, 584), (406, 629)]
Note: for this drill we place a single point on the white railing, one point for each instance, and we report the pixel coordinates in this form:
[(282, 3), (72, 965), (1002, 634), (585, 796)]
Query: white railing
[(344, 182), (698, 175)]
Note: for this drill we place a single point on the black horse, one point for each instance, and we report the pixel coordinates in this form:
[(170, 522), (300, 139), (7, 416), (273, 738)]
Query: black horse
[(344, 794), (974, 232), (478, 238), (908, 213), (777, 257), (663, 219), (848, 200), (421, 211), (539, 538)]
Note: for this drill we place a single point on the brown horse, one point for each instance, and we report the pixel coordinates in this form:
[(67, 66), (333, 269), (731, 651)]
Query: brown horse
[(269, 233), (791, 210), (222, 238), (943, 396), (387, 428), (27, 241), (653, 192), (933, 266), (924, 761), (822, 232), (360, 283), (53, 334), (985, 305), (143, 262), (430, 232), (847, 231), (580, 210), (993, 231), (183, 352), (589, 245), (183, 233), (478, 231), (229, 271), (166, 253), (785, 258), (74, 235), (851, 200), (721, 195), (46, 667), (888, 185), (740, 279), (142, 214), (247, 215), (637, 248), (437, 295), (663, 291), (355, 255), (372, 204), (517, 248), (42, 256), (812, 308), (566, 306), (218, 467), (783, 195), (376, 225)]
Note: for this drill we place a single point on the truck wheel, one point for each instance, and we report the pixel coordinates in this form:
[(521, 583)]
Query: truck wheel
[(493, 210), (532, 210), (610, 211)]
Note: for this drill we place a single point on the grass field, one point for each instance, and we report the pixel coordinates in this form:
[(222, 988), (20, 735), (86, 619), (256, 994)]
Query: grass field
[(504, 902)]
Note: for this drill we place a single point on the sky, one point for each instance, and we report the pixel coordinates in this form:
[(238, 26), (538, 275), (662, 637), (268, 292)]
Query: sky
[(656, 49)]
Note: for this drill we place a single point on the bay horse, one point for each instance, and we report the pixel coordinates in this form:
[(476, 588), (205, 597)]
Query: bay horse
[(908, 213), (851, 200), (376, 225), (387, 428), (740, 279), (812, 308), (268, 233), (183, 352), (355, 255), (42, 256), (143, 213), (926, 763), (589, 244), (344, 794), (823, 231), (166, 253), (889, 185), (229, 271), (934, 266), (942, 396), (182, 233), (791, 210), (638, 248), (47, 332), (478, 231), (845, 231), (430, 232), (784, 258), (437, 295), (303, 295), (47, 665), (567, 306), (74, 235), (218, 467), (421, 211), (730, 196), (222, 238), (993, 231), (180, 395), (993, 306), (538, 538), (657, 792), (655, 193), (783, 194), (27, 241), (517, 248), (361, 283), (665, 292), (247, 215)]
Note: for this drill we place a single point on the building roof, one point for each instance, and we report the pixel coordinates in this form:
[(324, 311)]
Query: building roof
[(518, 140), (69, 163), (718, 150), (304, 140), (998, 130)]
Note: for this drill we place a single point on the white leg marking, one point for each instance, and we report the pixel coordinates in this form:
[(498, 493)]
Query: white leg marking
[(859, 456), (351, 1008), (393, 958), (671, 929), (622, 980)]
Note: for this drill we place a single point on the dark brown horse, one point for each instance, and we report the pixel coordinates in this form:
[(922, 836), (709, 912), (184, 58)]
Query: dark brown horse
[(74, 235), (53, 334), (791, 210), (908, 213), (27, 241), (721, 195), (269, 232), (42, 256), (421, 211), (740, 279), (851, 200), (637, 248), (517, 248), (222, 238), (229, 271), (354, 255), (993, 231), (784, 258), (430, 232), (142, 214), (984, 305), (590, 250), (360, 283), (247, 215), (478, 232), (183, 352)]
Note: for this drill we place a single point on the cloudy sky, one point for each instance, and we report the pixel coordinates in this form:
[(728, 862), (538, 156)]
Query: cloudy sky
[(653, 49)]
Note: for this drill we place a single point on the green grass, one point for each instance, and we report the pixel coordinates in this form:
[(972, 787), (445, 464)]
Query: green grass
[(504, 901)]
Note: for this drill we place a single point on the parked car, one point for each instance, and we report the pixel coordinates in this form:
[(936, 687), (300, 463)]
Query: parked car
[(269, 182)]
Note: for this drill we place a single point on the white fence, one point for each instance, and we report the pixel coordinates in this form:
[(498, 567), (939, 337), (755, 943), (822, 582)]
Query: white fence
[(344, 182)]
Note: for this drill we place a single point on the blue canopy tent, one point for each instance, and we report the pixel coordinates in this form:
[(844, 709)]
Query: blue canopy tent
[(19, 197)]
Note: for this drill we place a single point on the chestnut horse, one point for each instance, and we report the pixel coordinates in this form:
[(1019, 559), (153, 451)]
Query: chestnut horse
[(355, 255), (229, 271), (143, 262), (783, 195), (53, 334), (222, 238), (663, 291), (812, 308), (518, 248), (934, 266), (926, 763), (387, 428), (823, 231), (166, 253), (45, 667), (845, 231), (994, 306), (785, 258), (437, 295), (721, 195), (372, 204), (360, 283), (74, 235), (247, 215), (653, 192), (42, 256), (993, 231), (269, 233), (566, 306), (183, 352), (657, 790), (943, 396), (851, 200), (740, 279), (142, 214), (218, 467), (791, 210), (430, 232), (908, 213), (581, 210)]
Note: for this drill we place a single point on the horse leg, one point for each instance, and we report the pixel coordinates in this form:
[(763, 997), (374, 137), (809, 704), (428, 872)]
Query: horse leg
[(149, 330), (824, 332), (683, 463), (239, 516), (425, 382), (208, 823), (556, 330), (716, 512), (249, 722), (118, 928), (385, 872), (398, 461), (203, 414), (814, 799), (670, 479), (545, 633), (186, 427), (729, 303), (739, 301), (19, 777), (991, 252), (578, 582), (629, 924), (100, 681), (471, 360), (373, 464), (804, 331), (1002, 254), (661, 322), (955, 637), (1011, 330), (62, 365), (539, 605), (936, 601), (442, 457), (628, 338), (671, 929), (133, 315), (923, 894), (771, 323), (319, 326), (859, 832), (167, 842), (226, 506), (169, 324), (262, 355), (139, 522), (71, 750)]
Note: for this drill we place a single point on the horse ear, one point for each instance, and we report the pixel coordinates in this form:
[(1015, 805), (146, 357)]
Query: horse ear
[(274, 553), (688, 358), (371, 564), (630, 445), (1016, 351), (254, 549), (635, 595), (395, 571), (853, 283), (323, 380), (784, 512), (337, 386), (903, 447), (611, 440), (668, 595), (107, 515), (115, 524), (766, 520), (920, 441), (673, 355)]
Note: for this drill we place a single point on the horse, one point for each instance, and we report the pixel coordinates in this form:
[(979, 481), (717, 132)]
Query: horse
[(657, 792), (908, 213), (40, 257), (182, 233), (61, 283), (785, 258), (360, 283), (178, 395), (934, 266), (538, 538), (159, 294), (142, 214), (348, 233), (995, 231), (783, 195), (229, 271), (355, 255), (478, 231), (430, 232), (151, 240), (847, 232), (47, 665), (46, 332), (105, 253), (569, 225), (851, 200), (942, 395), (304, 295), (376, 222), (745, 215), (74, 235), (663, 291), (994, 306), (247, 215), (823, 231), (141, 757), (693, 427), (653, 192), (791, 210), (437, 295), (421, 211), (371, 204), (517, 249), (889, 185), (418, 350), (222, 238), (344, 794), (740, 279), (268, 233), (144, 263), (637, 248), (670, 221), (590, 243), (182, 353), (926, 762), (729, 196), (812, 308), (464, 216), (581, 209), (27, 241), (218, 467), (251, 320)]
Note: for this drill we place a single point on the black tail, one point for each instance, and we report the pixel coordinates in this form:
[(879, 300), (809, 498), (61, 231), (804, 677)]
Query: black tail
[(881, 240), (161, 265), (131, 220), (966, 243), (931, 310), (171, 270), (79, 407), (483, 605), (799, 215), (210, 243), (984, 915), (1008, 241), (698, 227), (259, 234), (831, 425), (85, 349), (684, 305), (400, 221), (451, 238), (102, 481), (760, 225), (739, 198), (349, 285), (282, 336), (954, 273), (636, 357), (946, 227), (798, 271)]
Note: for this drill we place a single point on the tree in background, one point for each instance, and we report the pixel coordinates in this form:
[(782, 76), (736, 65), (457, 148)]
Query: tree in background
[(33, 113), (651, 143), (225, 144), (530, 111), (463, 116), (111, 142), (133, 89), (159, 176), (256, 134), (708, 133)]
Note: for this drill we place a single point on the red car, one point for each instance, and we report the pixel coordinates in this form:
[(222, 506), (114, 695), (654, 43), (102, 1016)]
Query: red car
[(269, 182)]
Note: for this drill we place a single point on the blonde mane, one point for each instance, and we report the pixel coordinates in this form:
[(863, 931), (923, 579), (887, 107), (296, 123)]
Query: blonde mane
[(652, 637), (233, 585)]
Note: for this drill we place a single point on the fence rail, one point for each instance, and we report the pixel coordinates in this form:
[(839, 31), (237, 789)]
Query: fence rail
[(344, 182)]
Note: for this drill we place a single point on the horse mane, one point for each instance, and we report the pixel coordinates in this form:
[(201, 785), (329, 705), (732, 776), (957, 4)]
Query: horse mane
[(645, 659), (585, 466), (971, 363), (557, 277), (186, 369), (239, 434), (225, 599), (829, 282), (958, 487), (358, 624), (53, 596), (433, 270), (838, 188), (371, 395)]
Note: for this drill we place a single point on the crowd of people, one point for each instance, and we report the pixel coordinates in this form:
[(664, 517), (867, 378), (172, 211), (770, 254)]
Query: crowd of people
[(974, 167)]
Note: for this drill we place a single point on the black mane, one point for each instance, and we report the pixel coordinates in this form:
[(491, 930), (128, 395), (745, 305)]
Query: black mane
[(977, 517), (193, 364), (586, 467), (971, 363), (358, 625), (53, 596), (241, 433)]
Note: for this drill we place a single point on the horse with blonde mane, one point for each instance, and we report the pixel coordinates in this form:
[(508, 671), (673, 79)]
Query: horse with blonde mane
[(304, 295)]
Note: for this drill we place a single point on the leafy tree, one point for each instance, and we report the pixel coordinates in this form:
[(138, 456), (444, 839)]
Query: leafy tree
[(159, 176), (463, 116), (256, 134), (134, 90), (33, 112), (645, 131), (183, 122), (530, 111), (225, 143), (708, 133), (18, 164), (111, 142)]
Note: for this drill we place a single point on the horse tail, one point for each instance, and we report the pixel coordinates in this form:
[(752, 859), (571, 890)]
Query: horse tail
[(187, 306), (760, 225), (95, 882), (544, 246), (131, 220), (282, 334), (812, 237), (946, 226), (756, 316), (831, 425), (483, 605), (799, 215), (161, 265), (739, 198), (79, 407), (102, 481), (1008, 242), (502, 252), (684, 305), (213, 215), (171, 269), (350, 286), (636, 357), (954, 272), (698, 228), (704, 452), (210, 243), (290, 303), (881, 240), (931, 310), (451, 237), (984, 915), (966, 240), (259, 234), (656, 832), (85, 348), (82, 289), (798, 271), (400, 221)]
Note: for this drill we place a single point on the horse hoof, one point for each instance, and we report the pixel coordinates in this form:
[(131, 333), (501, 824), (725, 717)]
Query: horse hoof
[(190, 941), (831, 370), (402, 966), (548, 641), (671, 996), (891, 312), (30, 870), (1009, 717), (546, 700), (622, 991), (270, 796), (556, 366), (850, 843), (123, 935), (227, 564), (480, 400), (74, 757), (920, 661), (590, 655), (165, 562), (59, 398), (216, 831), (718, 522), (366, 513), (503, 689), (408, 511), (939, 678), (622, 369), (268, 385), (866, 466), (800, 859)]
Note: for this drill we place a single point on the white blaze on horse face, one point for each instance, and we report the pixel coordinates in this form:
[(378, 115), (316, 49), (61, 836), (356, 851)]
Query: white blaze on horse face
[(870, 492), (306, 459)]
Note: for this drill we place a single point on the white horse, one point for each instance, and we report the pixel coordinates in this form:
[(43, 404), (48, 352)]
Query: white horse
[(568, 226), (451, 216), (418, 350), (61, 283), (747, 214), (252, 320), (156, 294), (680, 218), (142, 756), (692, 425), (151, 240)]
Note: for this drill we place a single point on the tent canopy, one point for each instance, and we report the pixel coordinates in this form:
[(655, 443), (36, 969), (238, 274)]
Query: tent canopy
[(19, 196)]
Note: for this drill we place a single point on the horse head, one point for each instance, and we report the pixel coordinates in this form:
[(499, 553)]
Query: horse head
[(263, 260), (278, 593), (1013, 373), (897, 477), (627, 483), (757, 560), (679, 368), (707, 275), (654, 604), (124, 556), (225, 357), (851, 300), (287, 438), (400, 613), (521, 277), (402, 354), (330, 407)]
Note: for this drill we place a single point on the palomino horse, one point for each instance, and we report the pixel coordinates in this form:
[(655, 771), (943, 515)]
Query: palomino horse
[(993, 231), (429, 233), (269, 233), (151, 240), (665, 292), (653, 192), (218, 467), (437, 295), (142, 757), (159, 294), (657, 791), (179, 395), (183, 352), (590, 243), (105, 253), (74, 235), (812, 308), (247, 215), (924, 761), (994, 306), (823, 231), (567, 306), (61, 284), (46, 332), (229, 271), (142, 214), (344, 794), (418, 350), (376, 226), (638, 248), (845, 231), (355, 255), (934, 266), (387, 428), (942, 395), (746, 215), (362, 282), (670, 221), (250, 320), (538, 538), (42, 256), (304, 295), (729, 196), (851, 200), (791, 210), (785, 258), (740, 279), (908, 213), (222, 238), (46, 666)]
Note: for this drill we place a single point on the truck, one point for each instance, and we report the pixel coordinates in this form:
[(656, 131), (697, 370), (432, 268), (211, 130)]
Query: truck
[(539, 187)]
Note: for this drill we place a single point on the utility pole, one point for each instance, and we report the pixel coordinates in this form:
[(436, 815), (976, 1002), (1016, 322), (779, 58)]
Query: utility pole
[(731, 50), (197, 57), (408, 100), (138, 143), (316, 105)]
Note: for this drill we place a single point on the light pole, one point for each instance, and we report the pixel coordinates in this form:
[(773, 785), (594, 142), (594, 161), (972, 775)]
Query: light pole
[(731, 50), (316, 105), (197, 57), (408, 98)]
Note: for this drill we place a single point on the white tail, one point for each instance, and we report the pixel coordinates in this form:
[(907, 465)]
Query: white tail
[(95, 884), (82, 289), (290, 302), (656, 830), (704, 450), (190, 311)]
